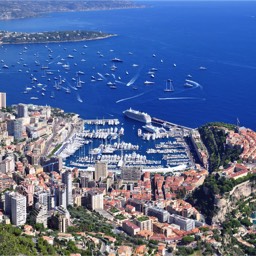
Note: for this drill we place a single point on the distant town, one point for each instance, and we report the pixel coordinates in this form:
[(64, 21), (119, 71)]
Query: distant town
[(25, 9), (49, 208)]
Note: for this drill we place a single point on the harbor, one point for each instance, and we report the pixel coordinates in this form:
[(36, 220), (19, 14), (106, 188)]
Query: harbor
[(166, 146)]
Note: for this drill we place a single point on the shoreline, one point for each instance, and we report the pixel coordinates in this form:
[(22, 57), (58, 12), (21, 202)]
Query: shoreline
[(68, 11)]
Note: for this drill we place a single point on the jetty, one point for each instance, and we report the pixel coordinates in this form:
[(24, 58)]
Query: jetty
[(167, 123), (102, 121)]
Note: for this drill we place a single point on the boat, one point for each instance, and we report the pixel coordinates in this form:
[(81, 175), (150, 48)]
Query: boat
[(78, 83), (113, 68), (174, 65), (79, 98), (68, 90), (169, 86), (202, 68), (5, 66), (148, 82), (150, 128), (116, 60), (34, 98), (110, 83), (137, 115), (52, 95), (80, 72), (70, 56), (66, 66)]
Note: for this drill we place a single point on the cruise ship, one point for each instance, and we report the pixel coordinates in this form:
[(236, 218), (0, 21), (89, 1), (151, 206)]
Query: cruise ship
[(137, 115)]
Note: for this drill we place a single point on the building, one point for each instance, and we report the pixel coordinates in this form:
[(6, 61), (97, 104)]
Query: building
[(144, 223), (2, 100), (61, 195), (67, 180), (94, 199), (101, 170), (184, 223), (7, 165), (40, 214), (41, 197), (161, 214), (132, 174), (16, 207), (22, 110), (130, 228), (15, 128)]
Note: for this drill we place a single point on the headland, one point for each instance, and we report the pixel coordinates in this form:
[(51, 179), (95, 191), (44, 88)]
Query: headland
[(51, 37)]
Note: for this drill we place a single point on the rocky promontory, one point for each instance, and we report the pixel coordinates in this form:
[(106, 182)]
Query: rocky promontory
[(50, 37)]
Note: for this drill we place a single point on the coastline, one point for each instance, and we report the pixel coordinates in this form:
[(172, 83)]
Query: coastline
[(67, 11)]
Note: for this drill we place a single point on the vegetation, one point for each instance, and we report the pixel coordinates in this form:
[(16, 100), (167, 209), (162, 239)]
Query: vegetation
[(203, 197), (214, 137), (21, 9), (142, 218), (14, 243)]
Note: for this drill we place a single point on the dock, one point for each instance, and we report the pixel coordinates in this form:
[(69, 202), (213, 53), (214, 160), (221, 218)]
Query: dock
[(167, 123), (102, 121)]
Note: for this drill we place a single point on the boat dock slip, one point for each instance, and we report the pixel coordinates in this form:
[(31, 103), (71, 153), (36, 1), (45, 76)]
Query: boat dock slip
[(102, 121)]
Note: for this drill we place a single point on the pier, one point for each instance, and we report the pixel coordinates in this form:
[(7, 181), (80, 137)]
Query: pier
[(166, 123), (102, 121)]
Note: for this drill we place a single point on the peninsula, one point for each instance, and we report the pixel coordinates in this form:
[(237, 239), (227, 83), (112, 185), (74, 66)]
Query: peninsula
[(50, 37)]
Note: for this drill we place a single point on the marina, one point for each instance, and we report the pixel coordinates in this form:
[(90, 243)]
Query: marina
[(108, 144)]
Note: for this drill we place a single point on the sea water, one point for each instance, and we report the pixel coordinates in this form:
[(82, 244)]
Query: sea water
[(176, 38)]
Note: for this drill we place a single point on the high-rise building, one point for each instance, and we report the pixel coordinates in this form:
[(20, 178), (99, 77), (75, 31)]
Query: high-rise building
[(16, 207), (67, 180), (15, 128), (61, 194), (101, 170), (22, 110), (2, 100), (41, 197)]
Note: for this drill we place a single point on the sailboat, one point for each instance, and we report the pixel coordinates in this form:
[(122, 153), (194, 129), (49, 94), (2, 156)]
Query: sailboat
[(169, 86), (78, 84)]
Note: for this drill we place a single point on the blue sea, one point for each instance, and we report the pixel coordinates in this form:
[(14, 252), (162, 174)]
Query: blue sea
[(176, 38)]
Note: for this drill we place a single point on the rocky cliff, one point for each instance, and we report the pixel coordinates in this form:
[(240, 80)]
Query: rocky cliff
[(228, 202)]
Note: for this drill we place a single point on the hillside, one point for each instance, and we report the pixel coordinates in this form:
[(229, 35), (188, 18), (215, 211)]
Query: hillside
[(18, 9)]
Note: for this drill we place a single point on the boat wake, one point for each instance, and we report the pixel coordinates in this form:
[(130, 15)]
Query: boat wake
[(131, 82), (79, 98), (194, 84), (119, 82), (125, 99), (182, 98), (103, 77)]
